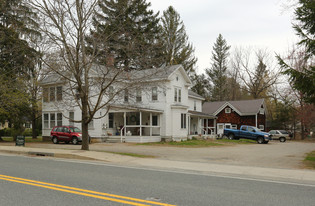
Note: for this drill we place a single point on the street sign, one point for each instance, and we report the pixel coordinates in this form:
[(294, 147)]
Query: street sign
[(20, 141)]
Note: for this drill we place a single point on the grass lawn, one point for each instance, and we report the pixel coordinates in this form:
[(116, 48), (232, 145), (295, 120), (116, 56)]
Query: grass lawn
[(240, 141), (201, 143), (27, 139), (310, 160)]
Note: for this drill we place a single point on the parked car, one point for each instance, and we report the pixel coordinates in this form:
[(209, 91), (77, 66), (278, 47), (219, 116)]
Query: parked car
[(248, 132), (66, 134), (280, 135)]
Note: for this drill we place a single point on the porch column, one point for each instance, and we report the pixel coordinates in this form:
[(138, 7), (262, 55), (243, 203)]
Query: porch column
[(215, 126), (160, 122), (207, 126), (125, 122), (140, 124), (198, 126), (150, 124), (256, 119), (189, 120)]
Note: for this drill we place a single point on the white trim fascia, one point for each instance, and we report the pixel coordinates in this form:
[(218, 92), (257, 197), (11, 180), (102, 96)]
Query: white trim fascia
[(223, 106), (179, 106), (183, 73), (131, 108), (262, 103), (194, 97)]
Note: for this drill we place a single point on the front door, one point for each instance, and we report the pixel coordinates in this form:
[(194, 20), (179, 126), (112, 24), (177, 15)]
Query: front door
[(220, 128)]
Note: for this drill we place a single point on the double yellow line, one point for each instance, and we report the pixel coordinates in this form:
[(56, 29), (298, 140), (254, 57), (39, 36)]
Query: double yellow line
[(83, 192)]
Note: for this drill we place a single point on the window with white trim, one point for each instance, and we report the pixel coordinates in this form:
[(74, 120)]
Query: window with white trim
[(46, 94), (71, 118), (262, 127), (91, 124), (52, 120), (110, 91), (59, 93), (111, 120), (46, 121), (234, 126), (51, 94), (177, 95), (183, 121), (154, 94), (59, 119), (126, 95), (261, 111), (138, 95), (227, 110)]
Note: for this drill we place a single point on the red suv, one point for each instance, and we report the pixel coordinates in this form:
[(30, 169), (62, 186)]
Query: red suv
[(66, 134)]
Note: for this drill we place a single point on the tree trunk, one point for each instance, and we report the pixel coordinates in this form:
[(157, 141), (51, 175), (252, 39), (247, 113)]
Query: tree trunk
[(34, 134), (85, 125), (85, 136)]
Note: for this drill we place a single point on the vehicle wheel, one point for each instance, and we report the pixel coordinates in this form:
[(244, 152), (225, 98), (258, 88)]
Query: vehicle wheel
[(55, 140), (231, 136), (75, 140), (260, 140), (282, 139)]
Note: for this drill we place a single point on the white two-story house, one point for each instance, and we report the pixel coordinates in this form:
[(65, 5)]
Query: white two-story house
[(164, 109)]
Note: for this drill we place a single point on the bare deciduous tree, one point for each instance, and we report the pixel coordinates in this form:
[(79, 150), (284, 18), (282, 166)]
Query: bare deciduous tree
[(258, 74), (88, 85)]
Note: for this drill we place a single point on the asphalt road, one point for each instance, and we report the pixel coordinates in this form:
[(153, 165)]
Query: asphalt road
[(149, 187)]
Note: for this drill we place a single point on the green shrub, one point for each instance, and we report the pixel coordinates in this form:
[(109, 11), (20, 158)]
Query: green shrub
[(6, 132), (27, 132)]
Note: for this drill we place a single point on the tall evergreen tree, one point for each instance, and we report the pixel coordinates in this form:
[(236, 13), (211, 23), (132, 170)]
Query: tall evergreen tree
[(17, 58), (128, 33), (218, 72), (201, 86), (16, 20), (304, 80), (177, 49)]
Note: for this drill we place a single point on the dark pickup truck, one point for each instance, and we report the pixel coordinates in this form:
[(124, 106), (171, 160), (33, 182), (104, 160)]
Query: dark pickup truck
[(248, 132)]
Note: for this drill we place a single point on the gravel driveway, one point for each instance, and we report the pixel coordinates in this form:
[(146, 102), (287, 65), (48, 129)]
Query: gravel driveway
[(273, 155)]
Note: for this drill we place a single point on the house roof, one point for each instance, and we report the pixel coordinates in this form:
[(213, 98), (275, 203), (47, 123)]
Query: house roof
[(152, 74), (243, 107), (195, 95), (52, 78), (134, 108), (201, 114), (156, 74)]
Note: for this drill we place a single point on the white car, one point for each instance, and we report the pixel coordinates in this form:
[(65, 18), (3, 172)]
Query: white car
[(280, 135)]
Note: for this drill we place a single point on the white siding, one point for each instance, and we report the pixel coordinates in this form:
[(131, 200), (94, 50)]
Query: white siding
[(170, 118)]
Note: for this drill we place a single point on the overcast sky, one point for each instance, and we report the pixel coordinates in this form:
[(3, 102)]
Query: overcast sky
[(258, 23)]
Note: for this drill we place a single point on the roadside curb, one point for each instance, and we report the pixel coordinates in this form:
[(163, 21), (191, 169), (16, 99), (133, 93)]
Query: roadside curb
[(48, 154)]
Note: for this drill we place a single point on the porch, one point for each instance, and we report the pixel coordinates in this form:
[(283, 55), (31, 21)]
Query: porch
[(131, 124), (201, 124)]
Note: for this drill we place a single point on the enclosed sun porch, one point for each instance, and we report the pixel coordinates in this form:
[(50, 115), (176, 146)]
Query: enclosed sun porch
[(132, 124)]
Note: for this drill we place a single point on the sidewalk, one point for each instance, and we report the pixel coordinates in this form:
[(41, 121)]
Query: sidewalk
[(188, 166)]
